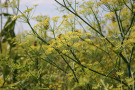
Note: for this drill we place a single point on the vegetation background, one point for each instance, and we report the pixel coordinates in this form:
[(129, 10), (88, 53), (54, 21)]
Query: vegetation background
[(91, 47)]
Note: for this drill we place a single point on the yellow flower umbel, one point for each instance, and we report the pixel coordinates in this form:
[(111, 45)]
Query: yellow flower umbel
[(55, 19), (28, 10), (65, 51), (49, 50)]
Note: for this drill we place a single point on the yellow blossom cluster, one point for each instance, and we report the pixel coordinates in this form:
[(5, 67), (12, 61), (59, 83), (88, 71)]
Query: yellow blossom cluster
[(68, 41), (67, 22), (12, 3), (65, 51), (55, 19), (111, 2), (64, 16), (129, 42), (55, 86), (44, 23), (109, 15), (71, 16), (28, 10), (49, 50)]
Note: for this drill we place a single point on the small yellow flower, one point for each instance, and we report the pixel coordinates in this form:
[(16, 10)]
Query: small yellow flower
[(130, 81), (49, 50), (76, 45), (46, 22), (75, 37), (70, 16), (28, 10), (65, 51), (88, 34), (88, 40), (64, 16), (36, 5), (55, 19), (120, 73), (50, 86), (109, 15)]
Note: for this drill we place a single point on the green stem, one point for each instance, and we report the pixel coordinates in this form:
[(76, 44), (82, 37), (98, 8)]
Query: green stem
[(97, 71), (99, 26), (131, 24), (84, 21), (131, 54), (1, 27), (68, 65), (119, 24)]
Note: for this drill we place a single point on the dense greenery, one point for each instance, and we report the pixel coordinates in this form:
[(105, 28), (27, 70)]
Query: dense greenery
[(91, 47)]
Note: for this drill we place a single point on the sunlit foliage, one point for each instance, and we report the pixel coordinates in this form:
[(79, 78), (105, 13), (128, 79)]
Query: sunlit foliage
[(90, 47)]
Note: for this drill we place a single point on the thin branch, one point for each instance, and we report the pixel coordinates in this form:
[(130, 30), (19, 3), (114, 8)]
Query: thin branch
[(127, 6), (96, 71), (131, 54), (85, 22), (118, 21), (131, 24)]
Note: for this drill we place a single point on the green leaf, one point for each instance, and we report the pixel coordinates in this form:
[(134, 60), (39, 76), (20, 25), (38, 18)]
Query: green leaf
[(8, 30), (5, 14)]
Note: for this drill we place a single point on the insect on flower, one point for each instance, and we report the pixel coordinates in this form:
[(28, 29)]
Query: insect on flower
[(35, 43), (68, 45), (59, 36)]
